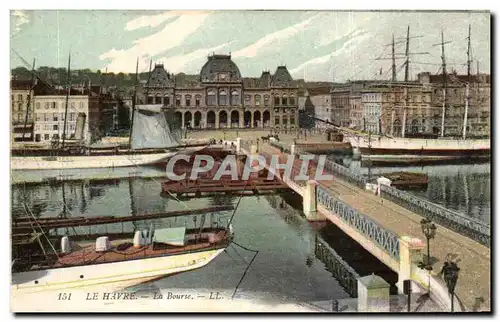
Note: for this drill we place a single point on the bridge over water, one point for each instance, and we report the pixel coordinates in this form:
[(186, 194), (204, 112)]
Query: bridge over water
[(387, 224)]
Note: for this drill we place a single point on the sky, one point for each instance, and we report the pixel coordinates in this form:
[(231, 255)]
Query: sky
[(314, 45)]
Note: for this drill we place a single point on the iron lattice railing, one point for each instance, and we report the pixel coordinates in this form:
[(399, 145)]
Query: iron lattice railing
[(467, 226), (384, 238)]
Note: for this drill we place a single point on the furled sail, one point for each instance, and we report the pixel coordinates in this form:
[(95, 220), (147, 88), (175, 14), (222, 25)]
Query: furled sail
[(150, 129)]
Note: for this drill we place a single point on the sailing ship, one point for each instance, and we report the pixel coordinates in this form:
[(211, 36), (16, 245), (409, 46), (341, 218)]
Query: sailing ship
[(388, 149), (151, 141), (45, 261)]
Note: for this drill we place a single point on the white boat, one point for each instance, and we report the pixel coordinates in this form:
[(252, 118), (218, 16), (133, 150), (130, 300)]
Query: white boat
[(151, 142), (389, 149), (84, 266)]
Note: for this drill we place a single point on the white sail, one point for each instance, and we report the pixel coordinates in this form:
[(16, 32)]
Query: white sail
[(150, 129)]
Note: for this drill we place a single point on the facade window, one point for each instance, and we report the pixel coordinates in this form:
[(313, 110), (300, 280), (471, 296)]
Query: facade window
[(284, 110), (150, 100), (19, 106), (266, 100), (197, 100), (223, 98), (276, 120), (276, 100), (285, 120), (46, 137), (257, 100), (20, 117), (166, 100), (284, 100), (54, 127), (188, 100), (177, 101), (158, 99), (292, 120), (53, 104), (292, 100), (72, 105), (54, 117), (47, 118), (247, 100), (292, 110), (20, 97), (235, 98), (37, 106), (71, 116), (211, 98), (37, 117)]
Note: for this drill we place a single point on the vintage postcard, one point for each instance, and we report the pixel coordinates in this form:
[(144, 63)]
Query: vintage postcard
[(250, 161)]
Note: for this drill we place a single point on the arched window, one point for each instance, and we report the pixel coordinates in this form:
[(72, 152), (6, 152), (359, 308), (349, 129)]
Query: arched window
[(166, 100), (211, 98), (158, 99), (247, 100), (284, 100), (222, 98), (187, 98), (235, 98), (150, 100), (292, 99), (266, 100), (276, 100), (178, 100), (257, 100), (37, 105), (197, 100)]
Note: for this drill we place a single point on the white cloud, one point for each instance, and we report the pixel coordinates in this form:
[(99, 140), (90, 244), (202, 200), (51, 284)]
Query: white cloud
[(253, 49), (347, 46), (177, 64), (150, 21), (19, 18), (172, 35)]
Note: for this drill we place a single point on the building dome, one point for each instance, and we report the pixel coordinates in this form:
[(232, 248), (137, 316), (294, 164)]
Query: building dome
[(220, 68)]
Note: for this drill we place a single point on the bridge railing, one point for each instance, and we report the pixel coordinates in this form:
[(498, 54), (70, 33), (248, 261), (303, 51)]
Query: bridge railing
[(384, 238), (341, 171), (467, 226), (343, 273)]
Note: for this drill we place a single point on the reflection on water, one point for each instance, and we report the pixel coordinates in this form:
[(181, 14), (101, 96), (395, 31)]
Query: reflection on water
[(284, 269), (461, 187)]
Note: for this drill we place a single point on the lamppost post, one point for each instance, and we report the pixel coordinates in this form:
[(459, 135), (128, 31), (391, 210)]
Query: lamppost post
[(429, 231)]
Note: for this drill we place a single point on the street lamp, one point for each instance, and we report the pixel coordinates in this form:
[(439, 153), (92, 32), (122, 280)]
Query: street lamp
[(429, 231), (450, 275)]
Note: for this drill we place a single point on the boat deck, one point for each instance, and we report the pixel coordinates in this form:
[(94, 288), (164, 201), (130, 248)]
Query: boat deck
[(123, 249)]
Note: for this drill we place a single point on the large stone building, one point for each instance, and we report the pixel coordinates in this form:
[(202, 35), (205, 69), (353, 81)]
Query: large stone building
[(47, 108), (321, 100), (479, 110), (219, 97)]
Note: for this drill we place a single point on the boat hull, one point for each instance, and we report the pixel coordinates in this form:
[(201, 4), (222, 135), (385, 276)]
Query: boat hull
[(109, 276), (420, 150)]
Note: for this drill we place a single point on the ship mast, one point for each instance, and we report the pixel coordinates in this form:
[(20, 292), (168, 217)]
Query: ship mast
[(445, 80), (134, 98), (464, 129), (30, 94), (68, 84)]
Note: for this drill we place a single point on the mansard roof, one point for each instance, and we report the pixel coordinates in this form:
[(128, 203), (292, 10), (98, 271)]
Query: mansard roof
[(281, 77), (219, 64), (159, 77)]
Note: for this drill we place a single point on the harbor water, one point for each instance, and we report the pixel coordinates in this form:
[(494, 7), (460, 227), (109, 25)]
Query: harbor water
[(465, 188), (284, 270)]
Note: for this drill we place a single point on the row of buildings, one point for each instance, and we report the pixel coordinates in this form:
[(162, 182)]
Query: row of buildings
[(379, 107), (219, 97), (38, 111)]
